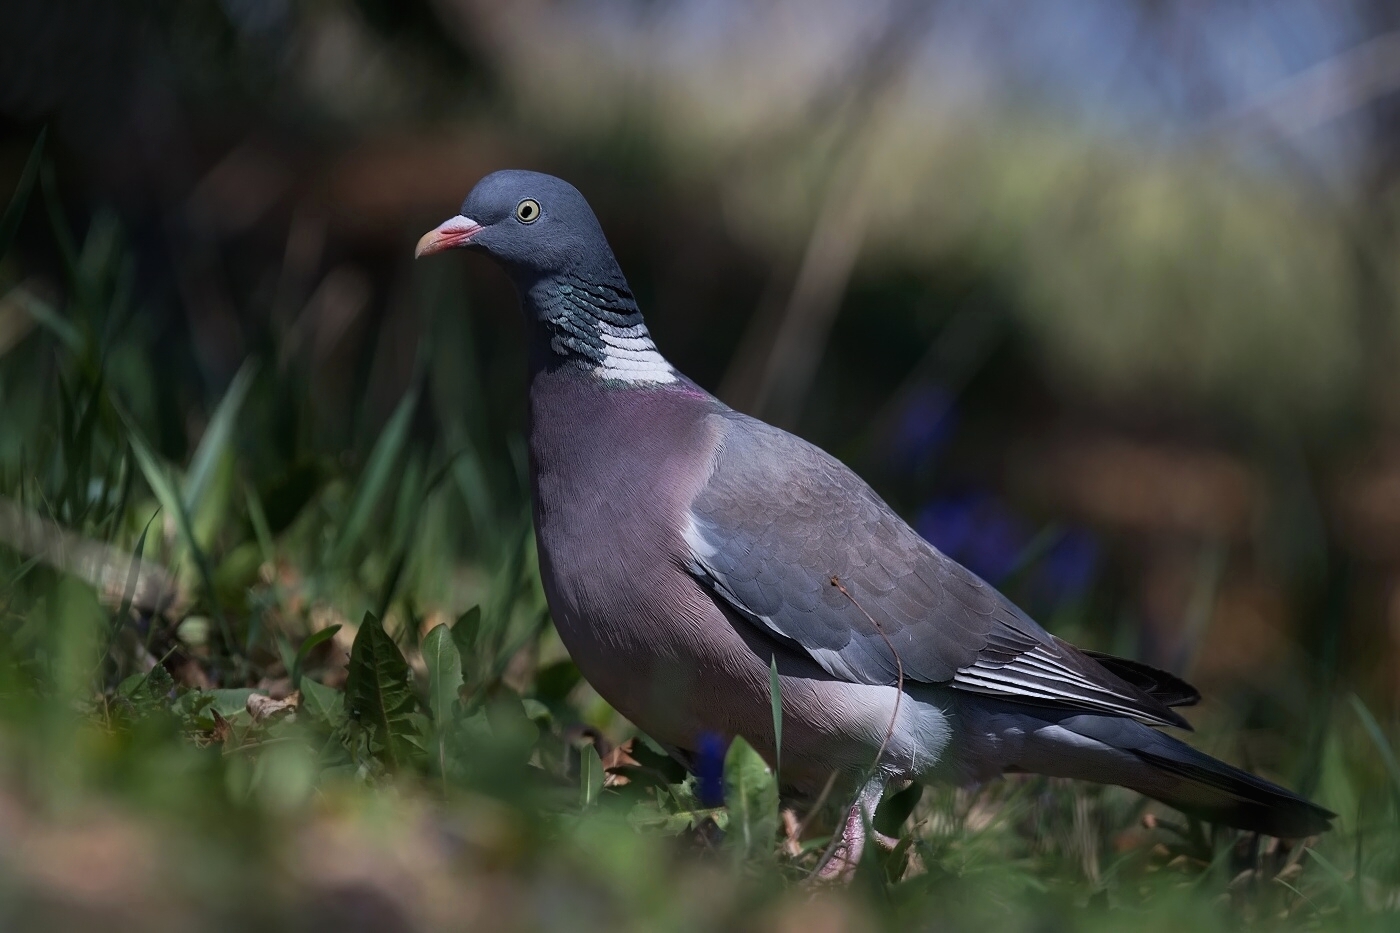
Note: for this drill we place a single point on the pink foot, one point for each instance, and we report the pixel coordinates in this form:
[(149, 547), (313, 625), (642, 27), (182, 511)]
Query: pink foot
[(839, 867)]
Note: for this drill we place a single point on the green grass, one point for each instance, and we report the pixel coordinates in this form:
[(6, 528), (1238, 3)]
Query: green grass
[(435, 761)]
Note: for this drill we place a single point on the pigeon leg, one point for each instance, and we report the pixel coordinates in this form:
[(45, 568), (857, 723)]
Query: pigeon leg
[(841, 860)]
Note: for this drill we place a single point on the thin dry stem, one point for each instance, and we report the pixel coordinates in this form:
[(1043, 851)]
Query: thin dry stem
[(898, 664)]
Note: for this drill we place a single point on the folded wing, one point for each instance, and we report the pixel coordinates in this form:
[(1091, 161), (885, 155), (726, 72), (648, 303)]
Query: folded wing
[(780, 523)]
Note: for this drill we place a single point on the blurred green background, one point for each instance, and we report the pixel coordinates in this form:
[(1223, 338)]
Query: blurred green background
[(1102, 295)]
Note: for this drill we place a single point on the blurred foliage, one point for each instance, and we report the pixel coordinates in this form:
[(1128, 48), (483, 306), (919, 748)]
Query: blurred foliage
[(1142, 380)]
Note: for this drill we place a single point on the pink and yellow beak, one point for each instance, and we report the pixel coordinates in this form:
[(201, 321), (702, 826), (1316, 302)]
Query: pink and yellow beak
[(451, 233)]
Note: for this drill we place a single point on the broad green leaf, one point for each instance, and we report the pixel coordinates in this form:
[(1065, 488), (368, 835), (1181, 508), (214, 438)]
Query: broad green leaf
[(590, 776), (379, 470), (751, 795), (231, 702), (378, 692), (648, 815), (191, 705), (471, 733), (896, 809), (324, 703), (537, 712), (149, 691), (513, 732), (76, 637), (444, 672)]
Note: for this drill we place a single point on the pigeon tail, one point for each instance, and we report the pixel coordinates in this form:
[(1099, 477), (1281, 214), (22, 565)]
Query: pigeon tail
[(1113, 750), (1209, 789)]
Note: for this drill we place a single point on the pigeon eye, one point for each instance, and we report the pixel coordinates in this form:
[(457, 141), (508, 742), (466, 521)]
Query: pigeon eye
[(527, 211)]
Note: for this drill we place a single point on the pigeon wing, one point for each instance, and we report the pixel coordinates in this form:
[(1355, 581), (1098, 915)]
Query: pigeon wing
[(792, 540)]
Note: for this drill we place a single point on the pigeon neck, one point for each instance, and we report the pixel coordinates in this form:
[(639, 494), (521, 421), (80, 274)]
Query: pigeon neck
[(595, 326)]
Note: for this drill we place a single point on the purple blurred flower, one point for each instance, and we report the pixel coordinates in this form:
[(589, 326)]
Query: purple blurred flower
[(976, 530), (923, 426), (1068, 568), (979, 531)]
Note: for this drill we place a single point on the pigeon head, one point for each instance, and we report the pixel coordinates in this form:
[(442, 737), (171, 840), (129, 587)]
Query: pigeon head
[(534, 225), (580, 308)]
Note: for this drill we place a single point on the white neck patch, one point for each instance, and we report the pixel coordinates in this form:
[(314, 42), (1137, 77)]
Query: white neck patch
[(630, 355)]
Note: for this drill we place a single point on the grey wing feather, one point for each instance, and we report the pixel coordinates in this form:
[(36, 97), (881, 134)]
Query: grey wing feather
[(779, 519)]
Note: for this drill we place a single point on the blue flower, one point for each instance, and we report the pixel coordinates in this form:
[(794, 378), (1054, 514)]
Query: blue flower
[(709, 769)]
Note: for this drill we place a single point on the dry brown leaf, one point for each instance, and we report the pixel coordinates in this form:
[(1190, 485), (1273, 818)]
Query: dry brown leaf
[(220, 734), (110, 571), (1243, 880), (792, 833), (617, 759), (263, 708)]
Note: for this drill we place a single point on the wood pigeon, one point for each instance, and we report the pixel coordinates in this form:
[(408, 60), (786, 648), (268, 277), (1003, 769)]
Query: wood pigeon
[(685, 546)]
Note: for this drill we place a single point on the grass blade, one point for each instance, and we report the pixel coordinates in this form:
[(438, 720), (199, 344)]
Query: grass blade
[(47, 317), (14, 213), (133, 576), (164, 489), (1339, 877), (307, 646), (375, 480), (775, 699), (217, 436), (1377, 734), (590, 776), (257, 517), (58, 226), (286, 654)]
